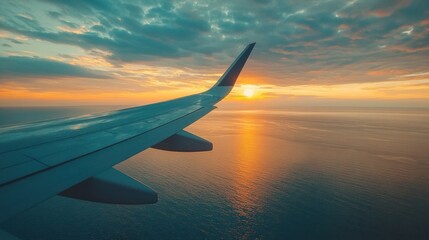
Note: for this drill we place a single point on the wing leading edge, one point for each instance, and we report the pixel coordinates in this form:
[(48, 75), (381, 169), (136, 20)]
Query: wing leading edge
[(40, 160)]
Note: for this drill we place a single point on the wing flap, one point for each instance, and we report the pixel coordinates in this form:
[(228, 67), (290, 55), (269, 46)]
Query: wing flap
[(20, 170), (15, 165), (13, 158), (58, 152)]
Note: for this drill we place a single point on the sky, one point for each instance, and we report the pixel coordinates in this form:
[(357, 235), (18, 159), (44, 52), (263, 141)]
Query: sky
[(307, 53)]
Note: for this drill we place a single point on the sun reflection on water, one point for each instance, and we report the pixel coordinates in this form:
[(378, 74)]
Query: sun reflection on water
[(246, 195)]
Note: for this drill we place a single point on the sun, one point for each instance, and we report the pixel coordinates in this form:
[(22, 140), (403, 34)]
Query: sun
[(248, 92)]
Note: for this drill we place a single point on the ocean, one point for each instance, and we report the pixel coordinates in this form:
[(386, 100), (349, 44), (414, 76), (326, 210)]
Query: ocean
[(309, 173)]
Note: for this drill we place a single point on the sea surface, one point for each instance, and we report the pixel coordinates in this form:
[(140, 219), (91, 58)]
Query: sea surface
[(325, 173)]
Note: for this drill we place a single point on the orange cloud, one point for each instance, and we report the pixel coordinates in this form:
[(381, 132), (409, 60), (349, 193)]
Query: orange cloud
[(80, 30), (387, 10), (387, 72)]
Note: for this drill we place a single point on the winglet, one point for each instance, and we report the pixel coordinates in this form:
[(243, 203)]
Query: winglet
[(225, 83), (230, 76)]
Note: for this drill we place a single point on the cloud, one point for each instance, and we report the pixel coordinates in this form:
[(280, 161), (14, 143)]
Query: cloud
[(344, 40), (54, 15), (386, 8), (127, 40), (30, 67)]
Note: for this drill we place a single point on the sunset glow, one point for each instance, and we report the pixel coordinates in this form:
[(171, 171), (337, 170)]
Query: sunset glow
[(249, 92), (58, 54)]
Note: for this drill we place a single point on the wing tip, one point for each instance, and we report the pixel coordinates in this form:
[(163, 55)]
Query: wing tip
[(230, 76)]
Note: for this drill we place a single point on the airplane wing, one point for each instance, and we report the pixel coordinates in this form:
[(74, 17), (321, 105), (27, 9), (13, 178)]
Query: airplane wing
[(74, 157)]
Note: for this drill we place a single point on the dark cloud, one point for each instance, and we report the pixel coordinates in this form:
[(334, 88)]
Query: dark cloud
[(83, 6), (15, 41), (98, 28), (293, 37), (69, 24), (385, 8), (26, 22), (65, 56), (53, 14), (17, 66), (134, 10), (119, 32)]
